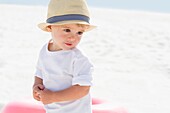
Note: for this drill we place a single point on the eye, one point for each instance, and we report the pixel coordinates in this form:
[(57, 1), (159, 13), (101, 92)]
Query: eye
[(80, 33), (67, 30)]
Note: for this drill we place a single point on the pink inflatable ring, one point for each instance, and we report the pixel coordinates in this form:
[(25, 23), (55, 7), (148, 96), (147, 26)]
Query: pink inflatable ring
[(31, 106)]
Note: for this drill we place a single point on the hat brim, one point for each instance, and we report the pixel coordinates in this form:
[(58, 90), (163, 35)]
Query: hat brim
[(44, 26)]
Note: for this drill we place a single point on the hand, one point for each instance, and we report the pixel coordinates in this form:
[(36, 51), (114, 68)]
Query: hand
[(36, 89), (45, 96)]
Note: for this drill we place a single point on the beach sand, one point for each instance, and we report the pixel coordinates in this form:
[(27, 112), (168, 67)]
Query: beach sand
[(130, 51)]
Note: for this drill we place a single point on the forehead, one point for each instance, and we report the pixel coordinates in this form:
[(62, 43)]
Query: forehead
[(74, 26), (78, 27)]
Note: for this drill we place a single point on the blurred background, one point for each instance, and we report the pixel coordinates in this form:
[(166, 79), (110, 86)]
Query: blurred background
[(146, 5), (130, 50)]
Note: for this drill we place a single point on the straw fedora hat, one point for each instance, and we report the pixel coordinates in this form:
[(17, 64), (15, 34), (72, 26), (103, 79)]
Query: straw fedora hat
[(61, 12)]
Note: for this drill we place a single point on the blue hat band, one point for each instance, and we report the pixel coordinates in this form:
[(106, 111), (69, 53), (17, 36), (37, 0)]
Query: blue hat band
[(55, 19)]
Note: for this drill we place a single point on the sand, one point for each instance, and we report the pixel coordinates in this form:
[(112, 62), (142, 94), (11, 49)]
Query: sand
[(130, 51)]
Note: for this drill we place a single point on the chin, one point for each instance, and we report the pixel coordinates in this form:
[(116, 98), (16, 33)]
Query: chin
[(68, 48)]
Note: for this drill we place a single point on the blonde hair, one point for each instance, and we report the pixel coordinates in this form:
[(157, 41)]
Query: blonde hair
[(79, 25)]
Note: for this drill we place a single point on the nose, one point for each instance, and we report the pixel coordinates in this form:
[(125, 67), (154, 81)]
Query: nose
[(72, 38)]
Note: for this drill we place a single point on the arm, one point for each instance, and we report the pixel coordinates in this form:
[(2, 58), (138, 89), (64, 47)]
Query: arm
[(37, 81), (71, 93), (37, 86)]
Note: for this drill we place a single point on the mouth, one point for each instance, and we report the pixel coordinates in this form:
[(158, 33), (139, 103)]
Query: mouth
[(68, 44)]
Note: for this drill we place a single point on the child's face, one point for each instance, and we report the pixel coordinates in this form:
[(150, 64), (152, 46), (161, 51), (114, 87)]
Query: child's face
[(66, 37)]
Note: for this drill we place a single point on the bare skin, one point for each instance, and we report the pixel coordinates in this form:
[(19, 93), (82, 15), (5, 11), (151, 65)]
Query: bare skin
[(38, 85), (46, 96)]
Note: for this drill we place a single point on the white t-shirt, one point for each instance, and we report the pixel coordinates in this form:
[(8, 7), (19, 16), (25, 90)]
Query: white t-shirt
[(62, 69)]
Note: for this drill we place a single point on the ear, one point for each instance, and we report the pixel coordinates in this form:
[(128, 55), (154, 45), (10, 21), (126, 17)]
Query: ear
[(49, 28)]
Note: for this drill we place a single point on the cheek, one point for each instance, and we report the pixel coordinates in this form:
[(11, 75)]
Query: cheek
[(78, 40), (59, 36)]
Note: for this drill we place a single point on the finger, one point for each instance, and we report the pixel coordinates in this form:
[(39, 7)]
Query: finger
[(39, 95), (37, 98), (41, 87), (39, 92), (36, 89)]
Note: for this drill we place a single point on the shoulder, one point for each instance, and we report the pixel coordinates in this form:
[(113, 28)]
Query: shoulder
[(43, 49), (80, 56), (79, 53)]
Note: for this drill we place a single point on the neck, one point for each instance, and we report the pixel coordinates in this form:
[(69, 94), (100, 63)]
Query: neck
[(52, 47)]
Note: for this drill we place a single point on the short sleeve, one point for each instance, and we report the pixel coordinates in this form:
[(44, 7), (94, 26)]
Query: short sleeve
[(38, 71), (82, 72)]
